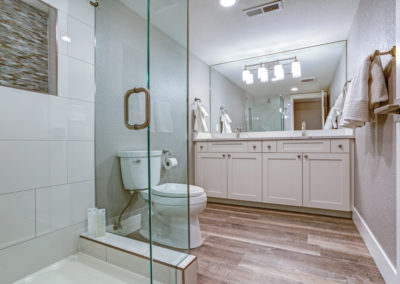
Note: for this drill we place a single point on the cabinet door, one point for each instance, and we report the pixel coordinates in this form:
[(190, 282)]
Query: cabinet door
[(212, 174), (282, 178), (244, 176), (326, 181)]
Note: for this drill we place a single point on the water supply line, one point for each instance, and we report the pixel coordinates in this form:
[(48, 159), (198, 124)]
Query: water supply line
[(118, 225)]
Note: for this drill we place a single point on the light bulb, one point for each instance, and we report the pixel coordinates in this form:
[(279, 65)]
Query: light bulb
[(227, 3), (294, 89), (263, 74), (245, 74), (279, 72), (296, 69), (249, 79)]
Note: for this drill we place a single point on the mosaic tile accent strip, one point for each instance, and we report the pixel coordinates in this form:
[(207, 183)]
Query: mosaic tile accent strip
[(24, 46)]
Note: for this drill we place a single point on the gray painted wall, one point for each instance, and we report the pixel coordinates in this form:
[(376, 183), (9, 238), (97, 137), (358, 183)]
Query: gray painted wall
[(375, 181), (121, 65), (199, 87), (227, 94), (338, 81)]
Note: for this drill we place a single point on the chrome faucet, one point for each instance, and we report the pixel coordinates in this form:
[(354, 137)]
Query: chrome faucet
[(303, 128), (237, 131)]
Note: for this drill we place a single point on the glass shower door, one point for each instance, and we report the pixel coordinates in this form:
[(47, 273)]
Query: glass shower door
[(141, 78)]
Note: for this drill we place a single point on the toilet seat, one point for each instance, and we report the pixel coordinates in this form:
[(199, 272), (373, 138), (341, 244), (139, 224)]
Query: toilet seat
[(176, 190), (175, 194)]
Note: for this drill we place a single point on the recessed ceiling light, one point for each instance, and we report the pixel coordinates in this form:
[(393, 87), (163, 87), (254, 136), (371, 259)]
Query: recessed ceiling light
[(66, 39), (227, 3), (294, 89)]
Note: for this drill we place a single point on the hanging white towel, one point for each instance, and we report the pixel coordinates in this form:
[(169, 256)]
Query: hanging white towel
[(226, 123), (200, 114), (334, 114), (367, 90)]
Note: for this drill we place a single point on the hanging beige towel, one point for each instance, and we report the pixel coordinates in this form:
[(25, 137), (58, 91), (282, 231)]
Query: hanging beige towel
[(378, 92)]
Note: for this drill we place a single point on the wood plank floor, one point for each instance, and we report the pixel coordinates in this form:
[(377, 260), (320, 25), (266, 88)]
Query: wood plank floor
[(251, 245)]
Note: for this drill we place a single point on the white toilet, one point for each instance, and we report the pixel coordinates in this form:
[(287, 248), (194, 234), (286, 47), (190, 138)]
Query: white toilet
[(169, 201)]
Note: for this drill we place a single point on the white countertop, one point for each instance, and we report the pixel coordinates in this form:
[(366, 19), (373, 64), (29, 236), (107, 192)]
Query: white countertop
[(275, 135)]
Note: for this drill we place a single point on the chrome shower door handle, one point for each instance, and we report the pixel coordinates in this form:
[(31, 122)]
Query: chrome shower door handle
[(148, 107)]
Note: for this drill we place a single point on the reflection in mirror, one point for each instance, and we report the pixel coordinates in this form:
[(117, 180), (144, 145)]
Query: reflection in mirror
[(281, 91)]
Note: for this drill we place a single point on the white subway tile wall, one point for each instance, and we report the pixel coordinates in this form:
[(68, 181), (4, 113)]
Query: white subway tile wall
[(47, 154)]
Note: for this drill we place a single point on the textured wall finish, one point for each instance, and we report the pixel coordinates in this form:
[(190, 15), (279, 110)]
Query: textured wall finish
[(375, 176), (24, 46)]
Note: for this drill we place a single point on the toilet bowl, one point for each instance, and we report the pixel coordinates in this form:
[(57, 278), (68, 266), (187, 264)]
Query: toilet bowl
[(169, 201), (170, 215)]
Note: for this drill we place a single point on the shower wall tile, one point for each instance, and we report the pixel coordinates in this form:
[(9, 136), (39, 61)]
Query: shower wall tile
[(82, 40), (80, 161), (62, 32), (80, 10), (18, 218), (62, 206), (47, 154), (76, 79), (30, 164), (23, 114), (71, 119)]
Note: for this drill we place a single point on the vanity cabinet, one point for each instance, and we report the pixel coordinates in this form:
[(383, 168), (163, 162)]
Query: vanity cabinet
[(308, 173), (212, 174), (230, 175), (326, 181), (282, 178)]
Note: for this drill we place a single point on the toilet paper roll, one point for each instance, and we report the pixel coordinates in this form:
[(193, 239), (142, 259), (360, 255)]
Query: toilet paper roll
[(169, 163)]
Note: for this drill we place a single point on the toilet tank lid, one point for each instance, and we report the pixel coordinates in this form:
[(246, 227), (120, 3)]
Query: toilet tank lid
[(138, 154)]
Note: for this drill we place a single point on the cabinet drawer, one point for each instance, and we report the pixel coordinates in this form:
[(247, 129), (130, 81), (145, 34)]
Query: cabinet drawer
[(340, 146), (254, 146), (201, 147), (269, 146), (312, 146), (226, 147)]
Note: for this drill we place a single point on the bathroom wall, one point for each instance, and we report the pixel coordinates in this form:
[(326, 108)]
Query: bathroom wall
[(338, 81), (375, 181), (227, 94), (199, 87), (47, 154), (121, 64)]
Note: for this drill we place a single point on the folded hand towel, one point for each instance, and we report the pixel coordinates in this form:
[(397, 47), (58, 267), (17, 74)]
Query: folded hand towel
[(226, 123)]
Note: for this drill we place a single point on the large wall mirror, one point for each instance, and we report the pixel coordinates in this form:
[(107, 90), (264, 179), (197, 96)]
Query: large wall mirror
[(280, 91)]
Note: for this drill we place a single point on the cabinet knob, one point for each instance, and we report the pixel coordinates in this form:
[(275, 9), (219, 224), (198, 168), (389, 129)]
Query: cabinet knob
[(229, 155), (340, 146), (298, 156), (306, 156), (254, 147), (269, 146), (201, 147)]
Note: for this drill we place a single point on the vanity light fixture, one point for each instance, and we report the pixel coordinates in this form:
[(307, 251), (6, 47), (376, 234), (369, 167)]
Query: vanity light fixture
[(245, 74), (296, 69), (262, 73), (250, 79), (227, 3), (279, 73)]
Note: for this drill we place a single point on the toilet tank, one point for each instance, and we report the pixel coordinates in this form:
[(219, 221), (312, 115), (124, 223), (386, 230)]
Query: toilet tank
[(134, 168)]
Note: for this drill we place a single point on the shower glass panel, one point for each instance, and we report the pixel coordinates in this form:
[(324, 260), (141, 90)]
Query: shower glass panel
[(264, 113), (142, 44)]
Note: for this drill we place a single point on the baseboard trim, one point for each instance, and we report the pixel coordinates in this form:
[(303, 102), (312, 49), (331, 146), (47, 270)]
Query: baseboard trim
[(129, 225), (382, 261)]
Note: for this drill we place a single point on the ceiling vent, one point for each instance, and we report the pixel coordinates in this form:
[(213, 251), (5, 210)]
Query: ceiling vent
[(263, 9), (308, 80)]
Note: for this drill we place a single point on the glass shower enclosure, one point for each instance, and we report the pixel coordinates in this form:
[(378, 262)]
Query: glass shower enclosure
[(142, 108)]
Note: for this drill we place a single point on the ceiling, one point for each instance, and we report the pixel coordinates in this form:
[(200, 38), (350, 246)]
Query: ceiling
[(219, 34), (320, 62)]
